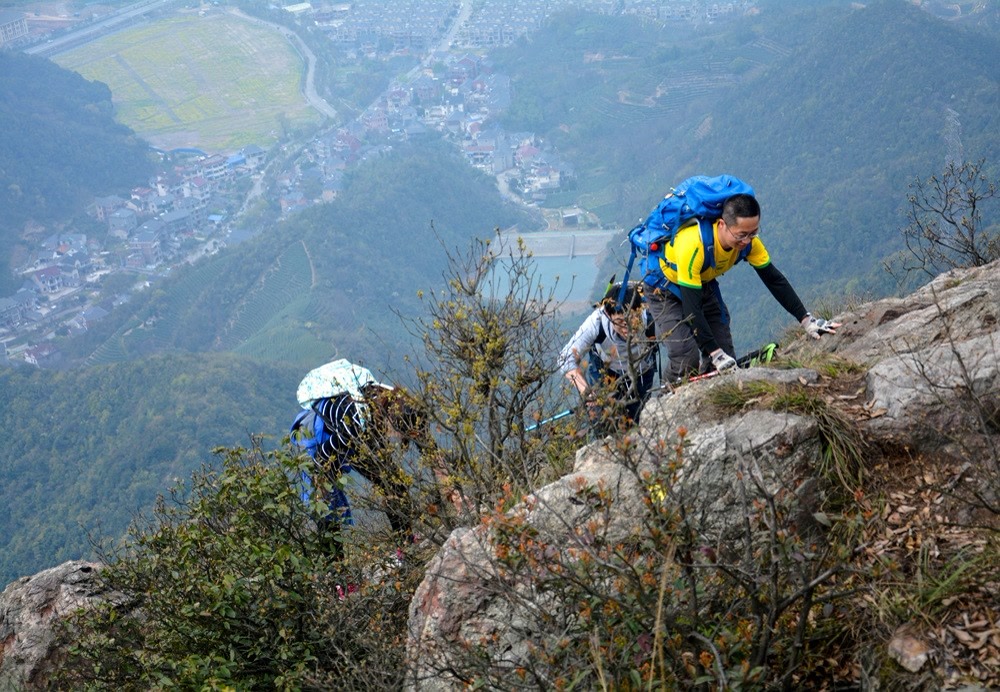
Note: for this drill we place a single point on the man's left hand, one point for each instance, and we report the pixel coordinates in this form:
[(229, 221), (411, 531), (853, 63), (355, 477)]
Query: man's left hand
[(816, 327)]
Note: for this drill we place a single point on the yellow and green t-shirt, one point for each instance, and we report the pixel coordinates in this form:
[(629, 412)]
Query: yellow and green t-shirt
[(683, 259)]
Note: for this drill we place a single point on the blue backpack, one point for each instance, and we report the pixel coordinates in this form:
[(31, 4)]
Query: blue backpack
[(699, 197), (307, 434)]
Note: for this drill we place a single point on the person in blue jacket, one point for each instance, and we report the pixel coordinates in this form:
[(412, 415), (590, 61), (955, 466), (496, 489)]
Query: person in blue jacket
[(351, 432)]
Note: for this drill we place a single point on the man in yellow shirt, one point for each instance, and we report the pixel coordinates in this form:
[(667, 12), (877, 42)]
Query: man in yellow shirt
[(690, 315)]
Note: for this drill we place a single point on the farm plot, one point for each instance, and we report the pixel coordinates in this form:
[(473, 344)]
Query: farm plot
[(216, 82)]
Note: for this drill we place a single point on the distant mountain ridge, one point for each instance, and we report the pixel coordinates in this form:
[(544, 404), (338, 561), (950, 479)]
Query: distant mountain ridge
[(833, 134)]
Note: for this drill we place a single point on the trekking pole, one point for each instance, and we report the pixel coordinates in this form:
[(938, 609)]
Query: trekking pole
[(628, 270), (561, 414), (760, 356)]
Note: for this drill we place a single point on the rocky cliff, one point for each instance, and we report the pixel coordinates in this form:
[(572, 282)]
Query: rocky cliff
[(909, 389), (887, 432), (29, 607)]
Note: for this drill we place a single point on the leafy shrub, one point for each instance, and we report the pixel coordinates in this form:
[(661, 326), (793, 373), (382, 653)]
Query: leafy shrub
[(229, 585)]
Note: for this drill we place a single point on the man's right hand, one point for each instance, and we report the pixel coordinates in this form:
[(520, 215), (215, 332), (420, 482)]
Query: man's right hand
[(722, 360)]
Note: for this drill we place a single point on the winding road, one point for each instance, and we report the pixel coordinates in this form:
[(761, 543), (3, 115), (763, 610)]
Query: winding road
[(312, 96)]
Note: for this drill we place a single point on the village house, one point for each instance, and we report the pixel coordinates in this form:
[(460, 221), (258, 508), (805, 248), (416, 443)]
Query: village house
[(464, 69), (145, 201), (87, 318), (214, 168), (145, 245), (121, 222), (170, 183), (42, 355), (198, 189), (253, 157), (52, 279), (14, 310), (426, 90), (13, 26), (102, 207), (177, 222), (375, 120), (480, 156)]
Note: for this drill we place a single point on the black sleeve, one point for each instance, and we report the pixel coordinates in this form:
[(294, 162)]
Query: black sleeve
[(691, 302), (782, 291)]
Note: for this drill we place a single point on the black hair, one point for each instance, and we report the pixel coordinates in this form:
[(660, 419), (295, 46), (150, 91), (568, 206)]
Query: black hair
[(631, 300), (397, 407), (741, 206)]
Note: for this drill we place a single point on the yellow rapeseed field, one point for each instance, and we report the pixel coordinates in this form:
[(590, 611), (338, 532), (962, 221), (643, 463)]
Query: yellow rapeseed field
[(215, 82)]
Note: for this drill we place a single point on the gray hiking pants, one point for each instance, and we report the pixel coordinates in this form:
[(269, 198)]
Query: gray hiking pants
[(676, 333)]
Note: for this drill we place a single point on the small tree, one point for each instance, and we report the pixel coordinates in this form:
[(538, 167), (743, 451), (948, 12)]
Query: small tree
[(488, 369), (945, 222)]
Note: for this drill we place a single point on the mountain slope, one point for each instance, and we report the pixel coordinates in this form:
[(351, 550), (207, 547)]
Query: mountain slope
[(861, 115), (829, 112), (59, 146), (86, 449), (329, 279)]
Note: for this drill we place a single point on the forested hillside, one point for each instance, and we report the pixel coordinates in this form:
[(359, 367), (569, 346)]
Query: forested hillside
[(59, 147), (328, 280), (85, 449), (828, 112)]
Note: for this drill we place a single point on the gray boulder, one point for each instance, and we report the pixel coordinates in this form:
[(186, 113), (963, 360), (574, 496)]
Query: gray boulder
[(29, 607)]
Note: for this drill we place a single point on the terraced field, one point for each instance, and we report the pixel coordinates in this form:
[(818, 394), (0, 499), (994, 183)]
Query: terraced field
[(272, 323), (216, 82), (275, 320)]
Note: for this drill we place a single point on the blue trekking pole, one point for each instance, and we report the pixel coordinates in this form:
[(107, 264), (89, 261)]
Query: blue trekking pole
[(561, 414)]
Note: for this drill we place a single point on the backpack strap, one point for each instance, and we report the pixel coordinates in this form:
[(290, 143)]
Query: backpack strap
[(299, 417), (628, 270), (708, 240), (601, 334)]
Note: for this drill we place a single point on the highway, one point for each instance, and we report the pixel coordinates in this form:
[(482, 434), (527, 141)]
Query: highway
[(91, 31)]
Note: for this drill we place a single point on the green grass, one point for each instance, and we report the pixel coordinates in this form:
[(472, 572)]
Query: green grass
[(216, 82)]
